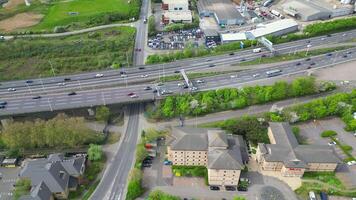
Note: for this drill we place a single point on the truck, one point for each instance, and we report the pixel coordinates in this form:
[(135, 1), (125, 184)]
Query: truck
[(275, 13), (257, 50)]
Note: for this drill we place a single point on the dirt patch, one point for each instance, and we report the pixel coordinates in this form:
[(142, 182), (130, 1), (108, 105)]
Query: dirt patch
[(13, 4), (21, 20), (345, 71)]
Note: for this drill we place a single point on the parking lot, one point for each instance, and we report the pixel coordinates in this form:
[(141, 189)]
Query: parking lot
[(312, 131), (9, 177)]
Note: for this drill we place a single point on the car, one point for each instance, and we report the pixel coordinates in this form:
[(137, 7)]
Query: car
[(149, 158), (154, 91), (245, 180), (344, 34), (130, 94), (332, 143), (308, 59), (264, 55), (243, 189), (99, 75), (322, 38), (11, 89), (345, 56), (145, 21), (61, 84), (200, 81), (177, 71), (309, 45), (180, 84), (36, 97), (123, 75), (148, 88), (231, 54), (163, 92), (328, 35), (312, 195), (211, 65), (349, 52), (72, 93), (146, 165), (67, 79), (29, 81), (147, 161), (141, 68), (351, 163), (144, 76), (122, 72), (255, 75), (230, 188), (208, 60), (329, 54), (308, 41), (167, 162), (298, 63), (216, 188), (233, 76), (185, 86), (134, 96), (2, 106), (3, 103), (323, 196), (243, 59), (309, 67), (313, 63), (193, 88), (160, 84)]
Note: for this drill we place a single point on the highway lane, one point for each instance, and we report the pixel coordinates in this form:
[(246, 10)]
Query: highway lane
[(88, 98), (193, 63), (112, 185), (141, 33), (147, 75)]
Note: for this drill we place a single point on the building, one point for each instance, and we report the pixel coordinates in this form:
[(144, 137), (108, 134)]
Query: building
[(176, 11), (224, 12), (284, 154), (232, 37), (223, 155), (175, 5), (58, 174), (212, 35), (310, 10), (39, 192), (9, 162)]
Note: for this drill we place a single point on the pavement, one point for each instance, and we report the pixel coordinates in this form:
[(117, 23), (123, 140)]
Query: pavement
[(9, 177)]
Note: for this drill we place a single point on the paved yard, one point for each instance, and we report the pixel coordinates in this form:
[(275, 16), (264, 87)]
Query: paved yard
[(9, 177)]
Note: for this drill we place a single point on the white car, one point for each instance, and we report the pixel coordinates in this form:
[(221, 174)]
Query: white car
[(200, 81), (255, 75), (233, 76), (11, 89), (193, 88), (99, 75), (350, 163), (123, 75), (309, 45), (322, 38), (180, 84), (134, 96), (144, 76), (331, 143), (61, 84)]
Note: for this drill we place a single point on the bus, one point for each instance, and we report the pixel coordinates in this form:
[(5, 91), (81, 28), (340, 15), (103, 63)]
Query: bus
[(275, 72)]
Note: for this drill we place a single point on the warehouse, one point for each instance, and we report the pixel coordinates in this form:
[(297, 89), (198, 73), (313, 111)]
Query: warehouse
[(224, 12), (232, 37), (277, 28), (306, 11)]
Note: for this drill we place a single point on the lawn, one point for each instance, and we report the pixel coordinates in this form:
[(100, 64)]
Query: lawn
[(31, 58), (63, 13), (326, 177)]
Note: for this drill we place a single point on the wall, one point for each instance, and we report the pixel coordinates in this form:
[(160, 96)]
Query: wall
[(321, 167), (223, 177), (187, 157)]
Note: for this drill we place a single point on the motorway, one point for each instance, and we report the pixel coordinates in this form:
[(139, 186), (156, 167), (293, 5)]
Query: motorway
[(112, 95), (113, 183), (134, 74)]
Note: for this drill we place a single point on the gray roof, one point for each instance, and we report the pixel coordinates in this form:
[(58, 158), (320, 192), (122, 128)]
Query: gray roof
[(38, 192), (225, 159), (288, 151), (223, 9), (52, 174), (187, 138), (74, 165), (55, 157), (217, 138)]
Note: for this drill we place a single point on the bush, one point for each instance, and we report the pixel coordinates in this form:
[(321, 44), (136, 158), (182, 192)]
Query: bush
[(102, 113), (151, 26), (159, 195), (346, 147), (95, 152), (134, 188), (22, 187), (328, 133)]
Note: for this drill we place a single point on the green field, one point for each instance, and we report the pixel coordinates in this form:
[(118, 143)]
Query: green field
[(31, 58)]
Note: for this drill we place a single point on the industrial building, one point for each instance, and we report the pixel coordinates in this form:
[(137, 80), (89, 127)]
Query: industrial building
[(224, 12), (176, 11), (277, 28), (315, 10)]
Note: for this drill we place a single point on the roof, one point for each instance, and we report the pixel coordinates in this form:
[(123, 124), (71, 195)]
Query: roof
[(178, 15), (223, 9), (282, 133), (217, 138), (210, 32), (187, 138), (225, 159), (316, 153), (175, 1), (230, 37), (74, 165), (270, 28), (38, 192), (55, 157), (303, 8)]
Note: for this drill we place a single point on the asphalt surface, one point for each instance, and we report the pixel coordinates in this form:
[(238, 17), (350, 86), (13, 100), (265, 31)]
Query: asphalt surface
[(141, 33), (113, 183), (134, 74), (87, 98)]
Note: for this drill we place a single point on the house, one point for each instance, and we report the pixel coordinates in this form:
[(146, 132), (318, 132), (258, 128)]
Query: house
[(59, 174), (39, 192), (284, 154), (223, 155), (176, 11)]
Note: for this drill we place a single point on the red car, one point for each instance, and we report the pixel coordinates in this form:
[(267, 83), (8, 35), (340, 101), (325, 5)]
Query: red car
[(130, 94)]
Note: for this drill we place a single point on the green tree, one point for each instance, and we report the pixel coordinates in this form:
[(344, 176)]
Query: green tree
[(239, 198), (159, 195), (22, 187), (102, 113), (134, 188), (95, 152), (328, 133)]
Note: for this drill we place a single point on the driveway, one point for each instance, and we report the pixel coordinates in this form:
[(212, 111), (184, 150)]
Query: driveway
[(312, 131), (9, 177)]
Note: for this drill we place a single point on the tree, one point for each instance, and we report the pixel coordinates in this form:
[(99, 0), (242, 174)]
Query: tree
[(328, 133), (239, 198), (95, 152), (102, 113), (22, 187), (159, 195), (134, 188)]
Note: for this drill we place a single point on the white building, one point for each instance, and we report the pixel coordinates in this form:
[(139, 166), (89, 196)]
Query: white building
[(175, 5), (176, 11)]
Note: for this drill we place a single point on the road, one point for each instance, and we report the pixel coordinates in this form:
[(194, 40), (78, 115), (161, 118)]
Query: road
[(134, 74), (93, 97), (141, 35), (113, 183)]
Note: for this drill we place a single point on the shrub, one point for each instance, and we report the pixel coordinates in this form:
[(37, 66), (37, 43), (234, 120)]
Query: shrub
[(95, 152), (328, 133)]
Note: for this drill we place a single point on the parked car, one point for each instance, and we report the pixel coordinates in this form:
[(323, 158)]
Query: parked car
[(29, 81), (148, 88), (230, 188), (211, 65), (332, 143), (167, 162), (216, 188), (351, 163), (200, 81), (312, 195), (66, 79), (146, 165), (3, 103), (141, 68), (72, 93), (323, 196), (2, 106), (36, 97)]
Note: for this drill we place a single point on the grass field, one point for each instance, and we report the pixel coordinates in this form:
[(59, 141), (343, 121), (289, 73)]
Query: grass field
[(30, 58)]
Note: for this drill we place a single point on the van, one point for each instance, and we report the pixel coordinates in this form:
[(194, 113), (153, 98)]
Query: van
[(312, 195), (257, 50)]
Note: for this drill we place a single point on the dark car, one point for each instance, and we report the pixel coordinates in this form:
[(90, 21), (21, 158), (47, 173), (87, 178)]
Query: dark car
[(185, 86), (36, 97), (328, 35), (309, 67), (147, 161), (3, 103), (349, 52), (122, 72), (155, 91), (308, 59), (230, 188), (141, 68), (313, 63), (298, 64), (29, 81), (231, 54), (67, 79), (72, 93), (308, 41), (148, 88), (323, 196), (329, 54), (264, 55), (214, 188), (243, 59), (177, 71), (149, 158), (240, 188), (211, 65), (345, 56), (2, 106), (130, 94), (146, 165)]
